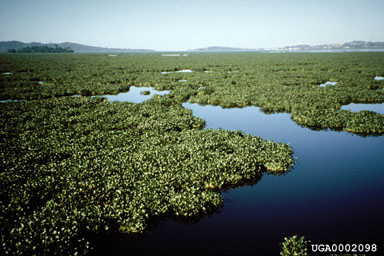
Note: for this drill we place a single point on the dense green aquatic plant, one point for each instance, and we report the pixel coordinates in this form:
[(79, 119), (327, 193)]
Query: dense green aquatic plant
[(298, 246), (286, 82), (73, 166), (294, 246), (145, 92)]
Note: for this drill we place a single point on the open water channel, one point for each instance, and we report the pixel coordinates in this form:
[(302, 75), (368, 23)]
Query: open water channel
[(334, 193)]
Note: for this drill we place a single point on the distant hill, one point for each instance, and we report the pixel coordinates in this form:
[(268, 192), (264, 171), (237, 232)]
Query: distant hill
[(6, 45), (354, 45), (41, 49), (350, 46)]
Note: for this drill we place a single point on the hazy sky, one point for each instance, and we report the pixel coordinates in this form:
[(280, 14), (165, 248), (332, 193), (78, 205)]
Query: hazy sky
[(182, 25)]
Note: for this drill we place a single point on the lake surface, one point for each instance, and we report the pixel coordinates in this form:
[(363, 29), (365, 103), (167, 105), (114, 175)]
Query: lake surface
[(334, 193), (379, 108)]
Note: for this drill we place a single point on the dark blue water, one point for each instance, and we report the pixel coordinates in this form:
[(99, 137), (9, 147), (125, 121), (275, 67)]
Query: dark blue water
[(334, 193)]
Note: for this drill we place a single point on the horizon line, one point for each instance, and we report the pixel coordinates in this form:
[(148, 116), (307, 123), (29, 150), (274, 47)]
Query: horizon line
[(201, 48)]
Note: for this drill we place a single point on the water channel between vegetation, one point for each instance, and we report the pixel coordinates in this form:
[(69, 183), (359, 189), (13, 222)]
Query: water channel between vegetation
[(335, 192)]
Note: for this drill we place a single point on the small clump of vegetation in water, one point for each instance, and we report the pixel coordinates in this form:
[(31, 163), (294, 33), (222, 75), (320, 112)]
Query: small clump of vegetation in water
[(298, 246), (294, 246), (145, 92)]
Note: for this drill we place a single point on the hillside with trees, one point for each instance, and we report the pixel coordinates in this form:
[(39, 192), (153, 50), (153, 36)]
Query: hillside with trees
[(41, 49)]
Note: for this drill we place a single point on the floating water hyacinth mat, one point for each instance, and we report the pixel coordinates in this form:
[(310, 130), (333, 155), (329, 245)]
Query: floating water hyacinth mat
[(77, 165), (286, 82), (71, 166)]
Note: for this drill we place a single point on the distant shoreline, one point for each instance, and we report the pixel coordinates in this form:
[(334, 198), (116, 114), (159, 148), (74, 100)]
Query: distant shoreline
[(355, 46)]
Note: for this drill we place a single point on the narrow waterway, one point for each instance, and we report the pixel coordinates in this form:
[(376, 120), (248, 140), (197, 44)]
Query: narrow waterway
[(356, 107)]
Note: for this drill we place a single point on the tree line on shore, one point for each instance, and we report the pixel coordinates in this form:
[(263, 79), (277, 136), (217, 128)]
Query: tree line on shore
[(41, 49)]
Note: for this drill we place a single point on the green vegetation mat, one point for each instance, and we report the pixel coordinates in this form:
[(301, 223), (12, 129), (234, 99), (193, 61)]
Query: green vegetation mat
[(284, 82), (72, 166), (77, 165)]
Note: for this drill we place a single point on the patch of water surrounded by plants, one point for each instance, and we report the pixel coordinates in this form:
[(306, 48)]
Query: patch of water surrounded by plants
[(179, 71), (328, 83), (357, 107), (174, 55), (134, 95), (10, 100)]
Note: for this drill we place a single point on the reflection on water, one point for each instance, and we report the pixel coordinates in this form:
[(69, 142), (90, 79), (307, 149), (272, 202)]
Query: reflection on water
[(334, 193), (248, 120), (134, 95), (379, 108), (7, 73)]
